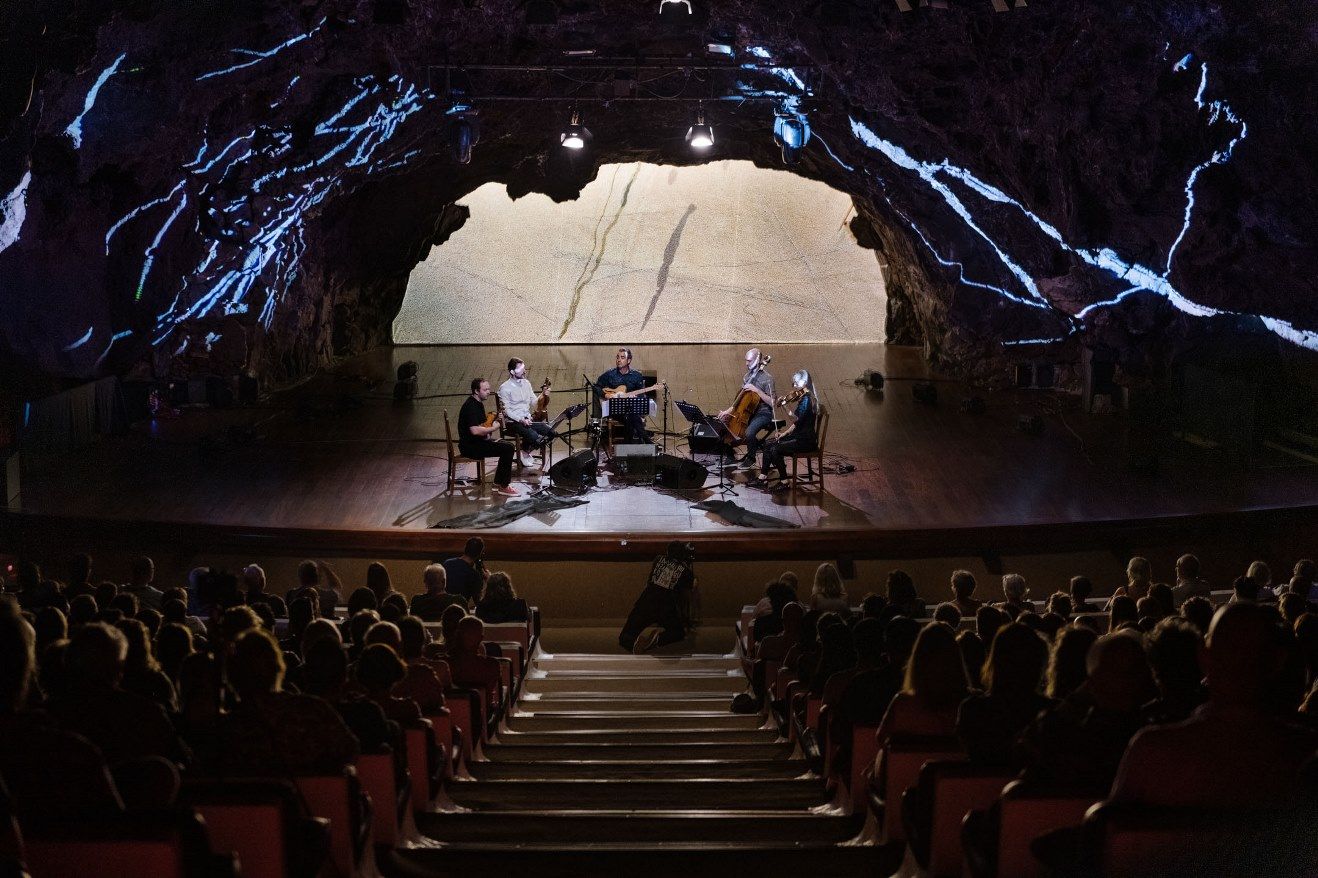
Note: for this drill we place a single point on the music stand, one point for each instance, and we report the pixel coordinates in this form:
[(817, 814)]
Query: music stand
[(692, 413), (623, 407)]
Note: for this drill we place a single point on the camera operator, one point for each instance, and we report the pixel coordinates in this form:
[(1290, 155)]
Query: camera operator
[(661, 614)]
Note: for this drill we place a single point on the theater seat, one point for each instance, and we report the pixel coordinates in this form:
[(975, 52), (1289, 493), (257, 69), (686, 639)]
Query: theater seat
[(168, 845), (1028, 811), (337, 798), (898, 767), (864, 750), (1132, 839), (956, 787), (377, 772), (425, 761), (256, 818)]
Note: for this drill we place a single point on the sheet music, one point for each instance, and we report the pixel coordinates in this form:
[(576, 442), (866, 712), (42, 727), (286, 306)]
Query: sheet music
[(604, 407)]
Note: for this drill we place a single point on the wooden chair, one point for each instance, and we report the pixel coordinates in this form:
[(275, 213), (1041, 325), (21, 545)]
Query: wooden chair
[(813, 457), (454, 458)]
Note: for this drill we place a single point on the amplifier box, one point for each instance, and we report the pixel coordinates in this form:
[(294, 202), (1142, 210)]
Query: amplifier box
[(634, 463)]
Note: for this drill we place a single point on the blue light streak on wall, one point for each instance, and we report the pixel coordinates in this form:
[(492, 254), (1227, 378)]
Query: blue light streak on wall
[(80, 342), (75, 127), (264, 224), (1140, 277), (257, 57), (114, 339)]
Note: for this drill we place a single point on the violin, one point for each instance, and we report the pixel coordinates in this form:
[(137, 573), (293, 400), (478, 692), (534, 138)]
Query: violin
[(541, 411), (792, 397)]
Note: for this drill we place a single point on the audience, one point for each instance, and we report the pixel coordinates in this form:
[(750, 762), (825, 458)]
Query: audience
[(142, 574), (827, 595), (466, 573), (1188, 583), (317, 577), (499, 602), (130, 689), (430, 604), (963, 589), (1234, 751), (1014, 593), (989, 722), (272, 732)]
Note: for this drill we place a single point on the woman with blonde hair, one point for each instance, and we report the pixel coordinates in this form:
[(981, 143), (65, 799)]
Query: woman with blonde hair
[(828, 595)]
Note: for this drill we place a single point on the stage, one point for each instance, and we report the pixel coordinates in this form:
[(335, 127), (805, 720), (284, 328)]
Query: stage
[(334, 465)]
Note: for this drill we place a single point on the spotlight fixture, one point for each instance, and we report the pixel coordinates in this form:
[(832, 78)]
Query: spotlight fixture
[(575, 135), (464, 133), (700, 135), (675, 10), (791, 131)]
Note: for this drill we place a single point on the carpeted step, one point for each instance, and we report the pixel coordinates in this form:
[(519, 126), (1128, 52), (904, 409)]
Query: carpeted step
[(641, 685), (649, 664), (675, 769), (526, 751), (740, 794), (690, 860), (557, 702), (690, 734), (532, 827), (530, 718)]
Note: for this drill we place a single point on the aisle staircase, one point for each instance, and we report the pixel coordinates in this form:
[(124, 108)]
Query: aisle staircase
[(635, 764)]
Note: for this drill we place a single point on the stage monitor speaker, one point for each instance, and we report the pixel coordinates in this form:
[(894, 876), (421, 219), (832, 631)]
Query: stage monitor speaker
[(575, 472), (925, 392), (634, 463), (703, 440), (681, 473)]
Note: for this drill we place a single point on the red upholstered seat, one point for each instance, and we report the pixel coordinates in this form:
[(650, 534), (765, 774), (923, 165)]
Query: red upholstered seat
[(1027, 813)]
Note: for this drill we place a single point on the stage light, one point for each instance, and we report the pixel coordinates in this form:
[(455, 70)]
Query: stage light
[(791, 131), (464, 133), (700, 135), (675, 10), (575, 135)]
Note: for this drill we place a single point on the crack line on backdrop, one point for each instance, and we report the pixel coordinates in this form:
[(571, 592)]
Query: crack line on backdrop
[(264, 245)]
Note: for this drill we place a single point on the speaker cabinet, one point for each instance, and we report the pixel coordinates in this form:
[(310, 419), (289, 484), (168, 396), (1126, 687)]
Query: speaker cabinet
[(672, 471), (633, 463), (574, 472)]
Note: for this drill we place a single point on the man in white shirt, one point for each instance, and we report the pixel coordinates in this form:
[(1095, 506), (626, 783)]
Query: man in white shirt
[(518, 398)]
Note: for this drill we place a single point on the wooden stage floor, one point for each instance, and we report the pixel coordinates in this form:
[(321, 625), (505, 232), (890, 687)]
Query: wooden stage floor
[(335, 460)]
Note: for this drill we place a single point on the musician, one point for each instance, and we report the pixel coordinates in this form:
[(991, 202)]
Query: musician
[(798, 435), (474, 437), (757, 380), (621, 375), (518, 397)]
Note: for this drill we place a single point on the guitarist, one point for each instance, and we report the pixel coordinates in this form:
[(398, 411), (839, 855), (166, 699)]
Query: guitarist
[(518, 396), (621, 375), (474, 437)]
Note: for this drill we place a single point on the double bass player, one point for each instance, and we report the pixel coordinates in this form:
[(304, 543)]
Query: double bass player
[(758, 381)]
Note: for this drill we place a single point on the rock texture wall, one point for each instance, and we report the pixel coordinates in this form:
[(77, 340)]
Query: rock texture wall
[(213, 187)]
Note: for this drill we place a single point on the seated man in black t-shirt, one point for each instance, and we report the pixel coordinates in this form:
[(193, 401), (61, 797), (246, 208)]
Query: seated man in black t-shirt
[(474, 437)]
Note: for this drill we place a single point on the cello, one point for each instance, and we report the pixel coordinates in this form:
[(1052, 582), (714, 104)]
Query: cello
[(739, 416)]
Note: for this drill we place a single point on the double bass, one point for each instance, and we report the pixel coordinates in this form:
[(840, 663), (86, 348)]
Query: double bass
[(743, 409)]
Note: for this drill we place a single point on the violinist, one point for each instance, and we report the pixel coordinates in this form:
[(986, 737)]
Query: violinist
[(798, 435), (518, 398), (757, 380)]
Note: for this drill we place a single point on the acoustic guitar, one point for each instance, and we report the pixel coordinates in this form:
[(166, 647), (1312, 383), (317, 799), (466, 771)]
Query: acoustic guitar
[(623, 392)]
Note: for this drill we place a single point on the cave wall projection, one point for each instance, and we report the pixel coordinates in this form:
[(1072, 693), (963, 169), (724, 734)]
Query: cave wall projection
[(201, 188), (709, 253)]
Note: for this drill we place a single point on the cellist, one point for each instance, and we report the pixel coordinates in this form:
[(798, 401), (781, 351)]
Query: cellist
[(757, 380)]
